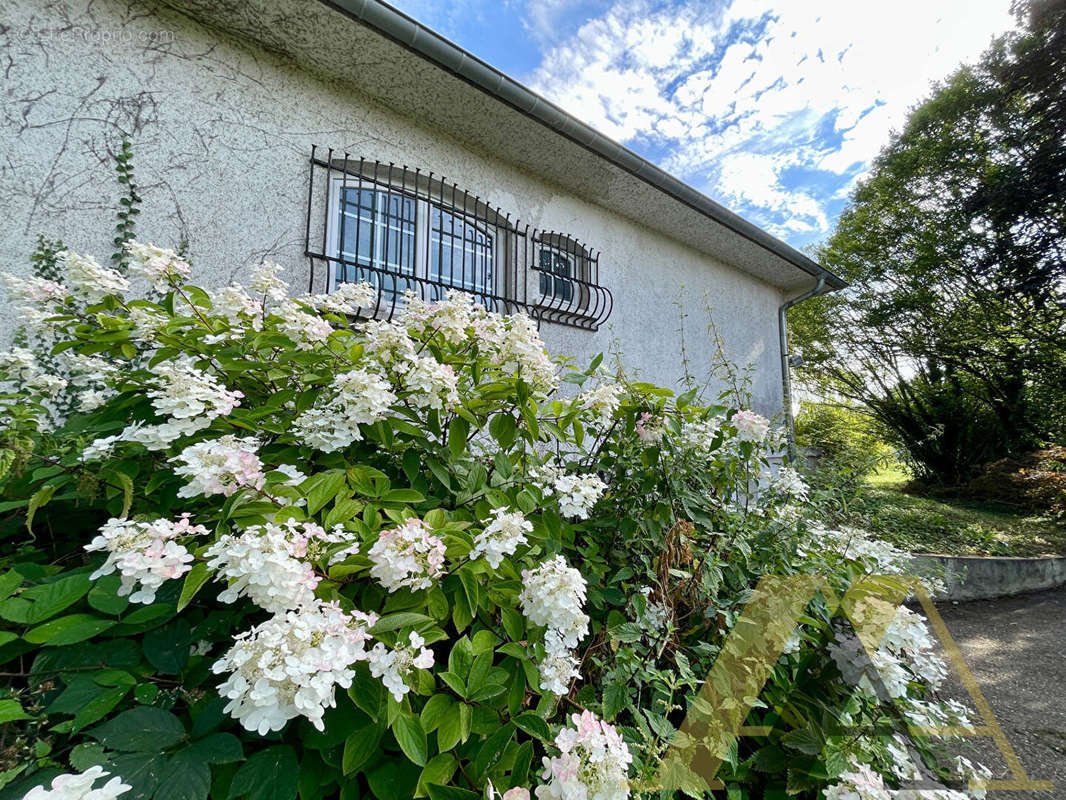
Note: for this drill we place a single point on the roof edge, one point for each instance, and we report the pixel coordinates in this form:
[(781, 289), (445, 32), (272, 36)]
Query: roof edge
[(430, 45)]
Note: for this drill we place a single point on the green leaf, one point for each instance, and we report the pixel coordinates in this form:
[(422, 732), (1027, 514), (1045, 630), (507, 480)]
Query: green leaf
[(322, 488), (367, 692), (359, 747), (271, 774), (104, 597), (458, 430), (615, 698), (437, 792), (435, 710), (70, 629), (503, 428), (141, 729), (514, 623), (196, 578), (450, 731), (101, 705), (142, 771), (167, 648), (403, 619), (533, 725), (11, 710), (411, 738), (185, 777), (39, 500), (9, 582), (403, 496), (804, 740), (50, 598), (219, 748), (439, 770)]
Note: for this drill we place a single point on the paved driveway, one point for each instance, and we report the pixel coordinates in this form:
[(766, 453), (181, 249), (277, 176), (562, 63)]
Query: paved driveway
[(1016, 650)]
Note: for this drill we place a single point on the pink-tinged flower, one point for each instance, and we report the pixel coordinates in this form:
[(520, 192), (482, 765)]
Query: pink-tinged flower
[(751, 427), (290, 665), (648, 431), (220, 466), (144, 553), (593, 763), (409, 555)]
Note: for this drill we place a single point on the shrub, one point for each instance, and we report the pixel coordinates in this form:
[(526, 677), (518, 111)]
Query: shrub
[(259, 546)]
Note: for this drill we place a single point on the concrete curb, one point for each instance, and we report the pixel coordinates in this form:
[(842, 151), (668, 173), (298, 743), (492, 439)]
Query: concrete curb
[(985, 578)]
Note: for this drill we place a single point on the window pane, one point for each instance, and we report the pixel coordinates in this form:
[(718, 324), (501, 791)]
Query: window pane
[(460, 253), (561, 266), (377, 229)]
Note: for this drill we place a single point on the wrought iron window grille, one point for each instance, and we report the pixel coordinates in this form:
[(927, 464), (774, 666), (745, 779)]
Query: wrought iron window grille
[(402, 229)]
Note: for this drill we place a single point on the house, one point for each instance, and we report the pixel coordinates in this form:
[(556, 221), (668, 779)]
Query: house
[(348, 142)]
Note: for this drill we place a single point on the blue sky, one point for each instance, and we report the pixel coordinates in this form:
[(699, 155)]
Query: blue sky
[(775, 109)]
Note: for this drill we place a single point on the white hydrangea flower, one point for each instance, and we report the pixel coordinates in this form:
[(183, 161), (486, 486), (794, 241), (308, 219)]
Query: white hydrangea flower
[(161, 267), (388, 342), (432, 384), (359, 397), (860, 784), (188, 397), (269, 565), (238, 308), (514, 344), (577, 494), (789, 482), (346, 298), (47, 385), (501, 537), (80, 787), (34, 290), (305, 330), (971, 771), (393, 665), (19, 363), (448, 318), (750, 427), (593, 763), (87, 279), (290, 666), (553, 595), (408, 555), (559, 667), (602, 402), (265, 281), (144, 553), (147, 323), (219, 466)]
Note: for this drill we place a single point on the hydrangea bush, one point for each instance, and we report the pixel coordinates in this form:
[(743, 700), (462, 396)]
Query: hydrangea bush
[(256, 545)]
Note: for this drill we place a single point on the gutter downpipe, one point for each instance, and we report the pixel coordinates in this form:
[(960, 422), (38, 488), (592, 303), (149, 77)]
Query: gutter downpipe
[(786, 361)]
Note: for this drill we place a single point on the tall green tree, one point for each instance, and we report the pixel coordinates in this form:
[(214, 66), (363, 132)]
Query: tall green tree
[(953, 331)]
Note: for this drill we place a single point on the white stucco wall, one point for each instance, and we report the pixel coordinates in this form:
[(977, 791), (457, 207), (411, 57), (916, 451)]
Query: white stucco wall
[(222, 131)]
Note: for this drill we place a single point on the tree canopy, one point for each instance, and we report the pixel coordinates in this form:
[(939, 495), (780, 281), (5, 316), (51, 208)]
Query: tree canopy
[(952, 331)]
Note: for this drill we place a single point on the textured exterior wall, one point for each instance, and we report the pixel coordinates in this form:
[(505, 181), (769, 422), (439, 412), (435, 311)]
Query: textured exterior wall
[(222, 131)]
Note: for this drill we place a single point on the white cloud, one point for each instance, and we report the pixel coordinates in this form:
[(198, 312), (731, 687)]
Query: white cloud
[(732, 114)]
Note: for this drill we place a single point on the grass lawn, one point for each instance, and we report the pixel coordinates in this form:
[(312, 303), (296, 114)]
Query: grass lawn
[(950, 526)]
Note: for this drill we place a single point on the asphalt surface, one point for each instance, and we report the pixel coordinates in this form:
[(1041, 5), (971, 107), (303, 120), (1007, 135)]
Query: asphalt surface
[(1015, 648)]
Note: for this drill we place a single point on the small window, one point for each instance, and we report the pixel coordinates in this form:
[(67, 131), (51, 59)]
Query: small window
[(565, 271)]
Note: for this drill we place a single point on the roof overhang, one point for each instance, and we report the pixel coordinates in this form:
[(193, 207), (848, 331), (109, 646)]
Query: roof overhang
[(418, 73)]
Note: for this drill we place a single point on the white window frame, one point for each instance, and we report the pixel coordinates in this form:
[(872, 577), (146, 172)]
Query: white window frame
[(422, 235)]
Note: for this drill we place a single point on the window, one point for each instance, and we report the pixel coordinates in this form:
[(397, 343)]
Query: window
[(397, 240), (565, 271), (405, 229), (376, 229)]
